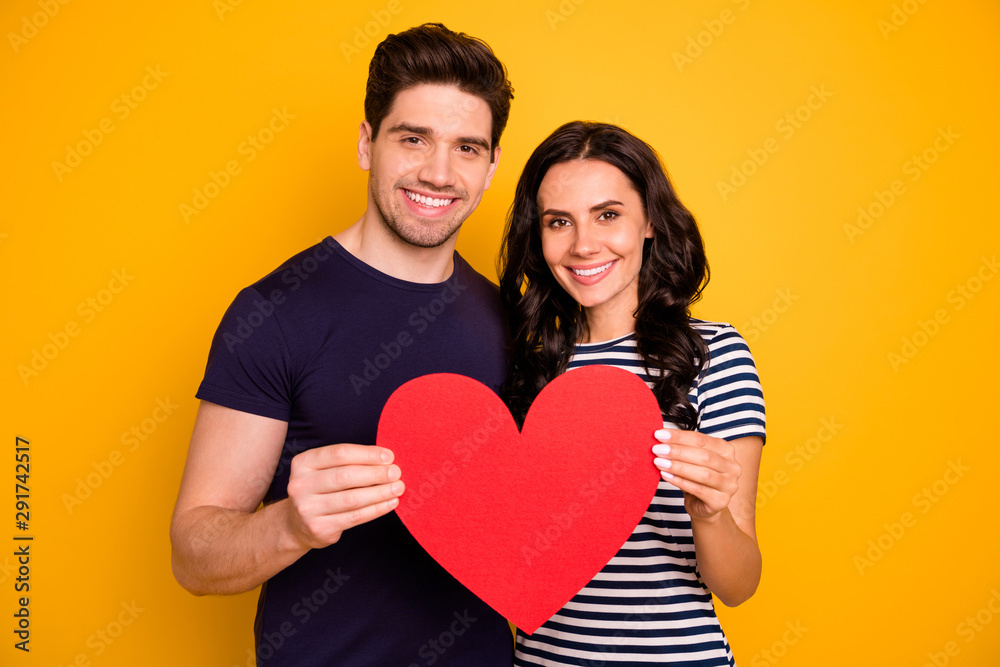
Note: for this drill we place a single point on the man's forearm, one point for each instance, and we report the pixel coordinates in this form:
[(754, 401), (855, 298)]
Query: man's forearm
[(222, 551)]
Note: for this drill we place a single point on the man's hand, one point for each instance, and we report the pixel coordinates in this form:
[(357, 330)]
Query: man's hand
[(333, 488), (223, 544)]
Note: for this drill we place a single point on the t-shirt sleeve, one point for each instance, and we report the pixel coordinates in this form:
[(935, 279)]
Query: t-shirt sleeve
[(730, 399), (248, 364)]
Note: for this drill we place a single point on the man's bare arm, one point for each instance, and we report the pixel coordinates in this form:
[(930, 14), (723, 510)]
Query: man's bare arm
[(221, 542)]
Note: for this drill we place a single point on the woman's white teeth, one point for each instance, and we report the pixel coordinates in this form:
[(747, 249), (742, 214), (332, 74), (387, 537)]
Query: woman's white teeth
[(427, 201), (592, 272)]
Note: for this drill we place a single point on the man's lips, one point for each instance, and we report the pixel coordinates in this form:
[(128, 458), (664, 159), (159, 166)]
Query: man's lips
[(428, 204)]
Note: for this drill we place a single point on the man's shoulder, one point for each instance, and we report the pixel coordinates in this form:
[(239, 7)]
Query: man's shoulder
[(484, 293), (298, 269), (465, 273), (326, 274)]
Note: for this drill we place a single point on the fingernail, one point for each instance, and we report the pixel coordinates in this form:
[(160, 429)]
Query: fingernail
[(386, 456), (661, 463), (394, 473), (667, 475), (662, 434), (661, 450), (397, 487)]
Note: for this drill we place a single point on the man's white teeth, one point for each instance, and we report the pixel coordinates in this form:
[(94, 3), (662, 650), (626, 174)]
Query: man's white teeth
[(592, 272), (433, 202)]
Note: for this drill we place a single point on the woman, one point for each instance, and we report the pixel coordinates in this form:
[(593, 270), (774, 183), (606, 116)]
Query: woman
[(600, 263)]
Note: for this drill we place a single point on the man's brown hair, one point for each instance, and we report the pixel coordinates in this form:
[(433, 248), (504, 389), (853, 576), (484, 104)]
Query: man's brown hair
[(431, 53)]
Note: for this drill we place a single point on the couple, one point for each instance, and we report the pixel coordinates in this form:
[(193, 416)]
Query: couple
[(599, 264)]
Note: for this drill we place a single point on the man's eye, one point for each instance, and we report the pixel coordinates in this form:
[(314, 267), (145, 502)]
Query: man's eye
[(468, 149)]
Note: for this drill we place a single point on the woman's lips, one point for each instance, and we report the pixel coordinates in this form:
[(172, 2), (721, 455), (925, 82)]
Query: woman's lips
[(591, 273)]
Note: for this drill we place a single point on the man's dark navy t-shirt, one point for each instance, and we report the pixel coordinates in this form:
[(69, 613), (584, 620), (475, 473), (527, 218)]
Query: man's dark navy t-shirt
[(321, 343)]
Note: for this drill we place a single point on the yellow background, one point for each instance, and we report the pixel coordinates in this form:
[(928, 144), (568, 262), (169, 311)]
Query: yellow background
[(831, 304)]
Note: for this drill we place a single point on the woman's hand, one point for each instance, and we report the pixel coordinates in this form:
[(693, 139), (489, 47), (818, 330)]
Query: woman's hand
[(703, 467), (721, 505)]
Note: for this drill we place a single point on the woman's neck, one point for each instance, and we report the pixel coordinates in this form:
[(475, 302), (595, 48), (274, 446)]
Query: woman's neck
[(607, 324)]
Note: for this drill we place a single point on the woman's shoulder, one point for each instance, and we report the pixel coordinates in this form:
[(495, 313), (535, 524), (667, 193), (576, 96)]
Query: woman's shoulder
[(715, 332), (726, 347)]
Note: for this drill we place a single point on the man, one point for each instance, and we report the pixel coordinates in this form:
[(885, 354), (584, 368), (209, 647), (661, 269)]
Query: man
[(303, 362)]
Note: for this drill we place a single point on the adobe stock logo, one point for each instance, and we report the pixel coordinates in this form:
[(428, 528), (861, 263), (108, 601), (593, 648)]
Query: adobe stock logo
[(249, 148), (968, 629), (420, 321), (783, 300), (372, 29), (223, 7), (959, 296), (915, 167), (924, 500), (103, 469), (59, 340), (435, 647), (779, 648), (565, 9), (38, 20), (797, 459), (303, 610), (121, 107), (464, 450), (786, 126), (899, 17), (696, 44), (101, 639)]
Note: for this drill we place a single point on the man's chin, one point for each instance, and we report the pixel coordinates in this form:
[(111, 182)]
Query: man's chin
[(423, 233), (423, 240)]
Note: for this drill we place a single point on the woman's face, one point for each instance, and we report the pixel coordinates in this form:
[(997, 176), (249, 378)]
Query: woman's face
[(593, 224)]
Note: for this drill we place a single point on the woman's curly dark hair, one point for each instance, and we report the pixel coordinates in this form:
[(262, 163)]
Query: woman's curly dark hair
[(546, 323)]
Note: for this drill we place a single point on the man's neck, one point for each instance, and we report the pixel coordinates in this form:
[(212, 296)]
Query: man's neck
[(373, 243)]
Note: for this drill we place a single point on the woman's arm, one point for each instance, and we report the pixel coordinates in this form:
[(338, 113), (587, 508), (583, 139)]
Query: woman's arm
[(719, 480)]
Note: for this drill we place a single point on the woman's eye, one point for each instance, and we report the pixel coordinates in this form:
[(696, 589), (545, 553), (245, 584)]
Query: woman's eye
[(608, 215), (558, 223)]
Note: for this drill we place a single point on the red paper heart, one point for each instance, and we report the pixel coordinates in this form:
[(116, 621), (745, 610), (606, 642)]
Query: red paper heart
[(524, 520)]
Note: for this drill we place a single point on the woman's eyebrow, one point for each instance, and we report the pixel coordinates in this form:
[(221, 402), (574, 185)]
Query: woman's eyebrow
[(593, 209), (605, 204), (553, 211)]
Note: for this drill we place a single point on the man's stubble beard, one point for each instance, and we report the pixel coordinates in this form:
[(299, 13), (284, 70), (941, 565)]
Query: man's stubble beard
[(430, 235)]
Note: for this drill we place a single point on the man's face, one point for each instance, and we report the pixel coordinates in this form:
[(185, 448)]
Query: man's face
[(430, 163)]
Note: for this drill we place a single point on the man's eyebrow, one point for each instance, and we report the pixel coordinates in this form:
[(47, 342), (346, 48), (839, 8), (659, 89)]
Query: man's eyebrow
[(475, 141), (412, 129), (429, 132)]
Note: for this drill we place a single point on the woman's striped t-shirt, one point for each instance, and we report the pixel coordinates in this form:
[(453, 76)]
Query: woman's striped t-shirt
[(649, 605)]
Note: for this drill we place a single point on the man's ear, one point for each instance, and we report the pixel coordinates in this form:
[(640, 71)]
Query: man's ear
[(492, 168), (365, 145)]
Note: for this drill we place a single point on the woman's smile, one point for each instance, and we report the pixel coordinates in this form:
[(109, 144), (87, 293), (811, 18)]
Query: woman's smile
[(593, 229)]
